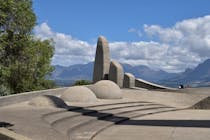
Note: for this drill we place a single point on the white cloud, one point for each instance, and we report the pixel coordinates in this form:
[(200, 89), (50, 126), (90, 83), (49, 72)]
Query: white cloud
[(164, 34), (188, 41), (68, 50), (137, 32), (151, 53), (176, 48)]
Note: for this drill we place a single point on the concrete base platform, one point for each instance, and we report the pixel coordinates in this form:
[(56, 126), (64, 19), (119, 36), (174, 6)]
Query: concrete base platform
[(140, 114)]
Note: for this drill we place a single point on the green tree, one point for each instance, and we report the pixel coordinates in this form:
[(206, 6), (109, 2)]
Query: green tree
[(24, 59)]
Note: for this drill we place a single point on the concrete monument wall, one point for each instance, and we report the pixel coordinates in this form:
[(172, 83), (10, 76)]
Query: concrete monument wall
[(129, 80), (104, 70), (102, 60), (116, 73), (148, 85)]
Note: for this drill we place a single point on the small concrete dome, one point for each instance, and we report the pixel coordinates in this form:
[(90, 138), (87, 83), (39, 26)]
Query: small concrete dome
[(106, 89), (78, 94), (47, 101)]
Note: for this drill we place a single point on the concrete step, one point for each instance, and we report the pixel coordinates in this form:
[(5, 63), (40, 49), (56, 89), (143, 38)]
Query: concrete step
[(65, 114), (45, 116), (110, 109), (132, 109), (91, 106), (64, 124), (64, 121), (118, 106), (59, 121), (118, 103), (75, 111), (87, 131)]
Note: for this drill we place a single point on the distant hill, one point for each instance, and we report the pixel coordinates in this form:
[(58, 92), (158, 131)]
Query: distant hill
[(199, 76), (65, 76), (147, 73)]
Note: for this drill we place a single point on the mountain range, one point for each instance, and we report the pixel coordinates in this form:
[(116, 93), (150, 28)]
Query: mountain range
[(199, 76)]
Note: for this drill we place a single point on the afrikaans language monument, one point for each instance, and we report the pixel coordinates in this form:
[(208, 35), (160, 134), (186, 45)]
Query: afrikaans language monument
[(105, 69), (117, 106)]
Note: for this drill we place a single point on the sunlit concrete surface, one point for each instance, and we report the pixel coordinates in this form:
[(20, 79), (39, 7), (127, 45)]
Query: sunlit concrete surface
[(140, 114)]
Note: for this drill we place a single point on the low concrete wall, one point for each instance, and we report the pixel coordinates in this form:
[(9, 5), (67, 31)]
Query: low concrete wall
[(151, 86), (4, 137), (6, 134), (21, 97)]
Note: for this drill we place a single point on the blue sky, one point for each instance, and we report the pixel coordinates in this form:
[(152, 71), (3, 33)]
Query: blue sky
[(145, 26)]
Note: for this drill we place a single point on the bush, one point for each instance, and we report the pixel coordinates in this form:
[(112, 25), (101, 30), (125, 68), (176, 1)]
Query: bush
[(4, 90), (82, 82)]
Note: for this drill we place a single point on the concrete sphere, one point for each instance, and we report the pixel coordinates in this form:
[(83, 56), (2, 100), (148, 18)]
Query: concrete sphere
[(78, 94), (47, 101), (106, 89)]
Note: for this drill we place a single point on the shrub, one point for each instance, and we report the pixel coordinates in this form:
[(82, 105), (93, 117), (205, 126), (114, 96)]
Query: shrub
[(82, 82), (4, 90)]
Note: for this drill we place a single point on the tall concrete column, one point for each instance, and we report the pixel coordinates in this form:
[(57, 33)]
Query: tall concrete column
[(102, 60), (116, 73), (129, 80)]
